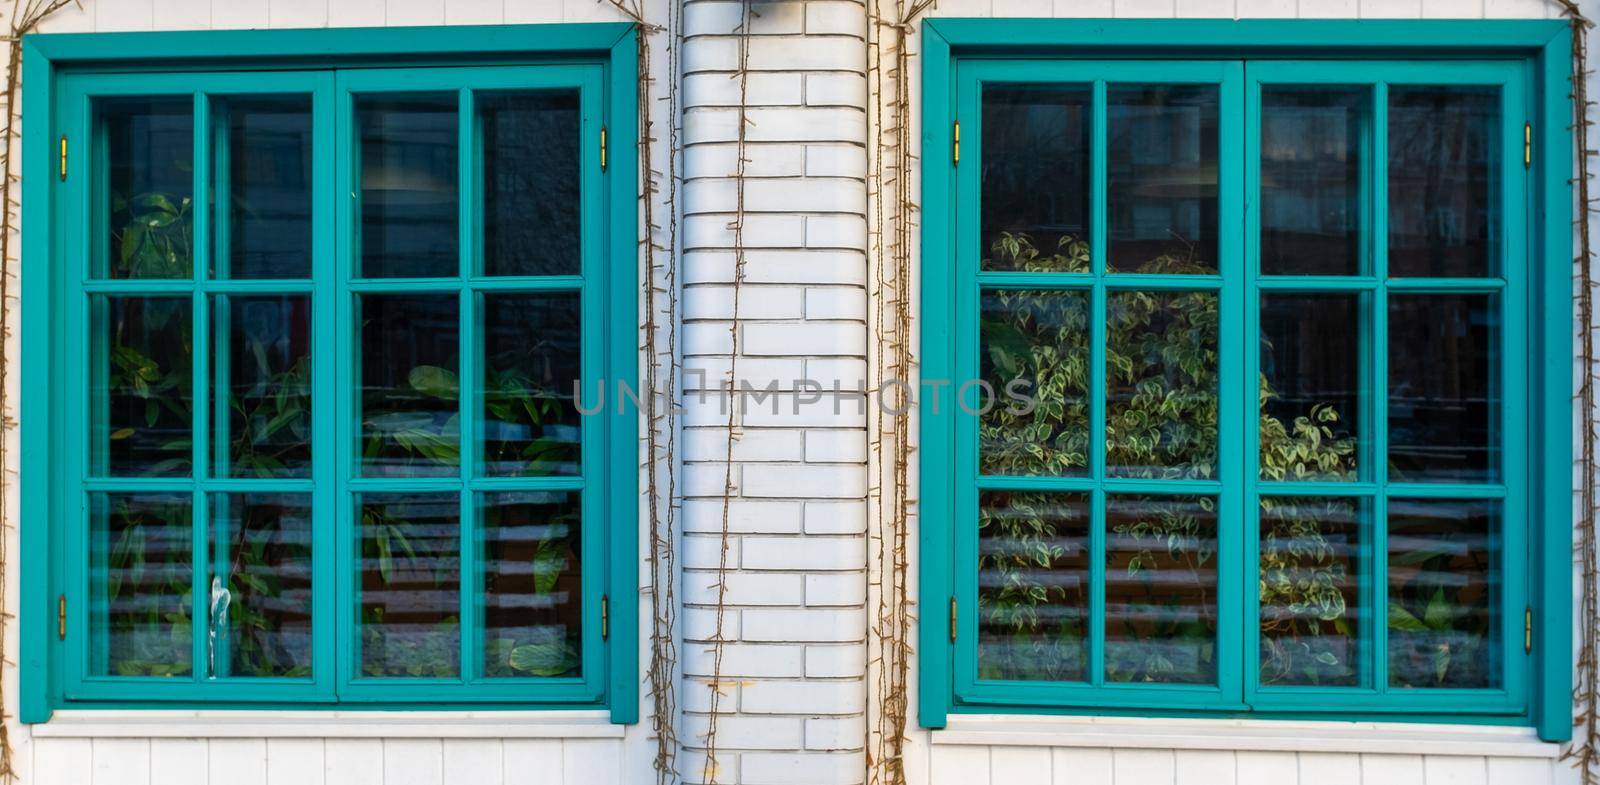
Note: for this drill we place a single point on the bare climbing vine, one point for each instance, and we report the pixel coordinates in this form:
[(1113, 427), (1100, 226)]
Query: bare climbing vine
[(741, 158), (1585, 750), (659, 247), (892, 221), (25, 18)]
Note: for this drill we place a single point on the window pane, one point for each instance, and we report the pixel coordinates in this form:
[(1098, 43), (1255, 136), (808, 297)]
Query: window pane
[(1035, 345), (267, 384), (1033, 586), (1161, 170), (1444, 217), (530, 423), (1311, 611), (530, 183), (1311, 142), (532, 588), (145, 408), (268, 200), (141, 580), (1161, 384), (1036, 178), (260, 585), (1310, 382), (1444, 584), (1443, 398), (410, 584), (1161, 589), (409, 190), (149, 187), (410, 385)]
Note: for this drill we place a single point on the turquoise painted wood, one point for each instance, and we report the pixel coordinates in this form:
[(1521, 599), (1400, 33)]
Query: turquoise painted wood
[(70, 72), (1525, 62)]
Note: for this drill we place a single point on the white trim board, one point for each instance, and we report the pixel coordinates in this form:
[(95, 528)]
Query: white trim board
[(1257, 735), (85, 723)]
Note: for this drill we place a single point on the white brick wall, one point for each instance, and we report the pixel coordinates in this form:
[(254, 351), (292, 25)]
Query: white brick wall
[(801, 308)]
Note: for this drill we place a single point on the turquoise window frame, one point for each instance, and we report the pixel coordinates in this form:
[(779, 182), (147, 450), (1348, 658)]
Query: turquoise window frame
[(599, 61), (1529, 60)]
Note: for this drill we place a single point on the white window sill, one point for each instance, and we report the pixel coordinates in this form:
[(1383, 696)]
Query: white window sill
[(1255, 735), (97, 723)]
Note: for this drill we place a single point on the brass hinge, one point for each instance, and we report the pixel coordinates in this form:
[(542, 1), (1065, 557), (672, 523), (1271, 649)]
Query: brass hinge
[(61, 617), (605, 617), (63, 156), (952, 620), (1527, 630), (1527, 145), (602, 148), (956, 152)]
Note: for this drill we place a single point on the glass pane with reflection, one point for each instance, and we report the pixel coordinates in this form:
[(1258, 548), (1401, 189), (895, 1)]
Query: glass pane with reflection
[(266, 385), (263, 228), (532, 584), (1444, 215), (1161, 384), (1311, 608), (1033, 586), (143, 399), (1161, 589), (1035, 170), (410, 385), (1312, 140), (1035, 360), (141, 579), (1444, 586), (149, 187), (410, 192), (530, 183), (1161, 178), (532, 364), (410, 585), (1310, 386), (1444, 397), (260, 585)]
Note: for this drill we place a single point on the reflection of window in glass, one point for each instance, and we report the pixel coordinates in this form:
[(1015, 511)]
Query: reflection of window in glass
[(264, 177), (1036, 178), (410, 194), (1443, 399), (1033, 586), (1311, 608), (1161, 178), (148, 188), (1443, 218), (1311, 157), (1443, 588)]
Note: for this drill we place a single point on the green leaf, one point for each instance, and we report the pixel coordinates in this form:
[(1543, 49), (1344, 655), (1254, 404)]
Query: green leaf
[(1401, 619), (1437, 615), (547, 564), (434, 381), (547, 658)]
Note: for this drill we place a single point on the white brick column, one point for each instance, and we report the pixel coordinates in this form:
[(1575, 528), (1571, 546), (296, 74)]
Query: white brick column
[(793, 672)]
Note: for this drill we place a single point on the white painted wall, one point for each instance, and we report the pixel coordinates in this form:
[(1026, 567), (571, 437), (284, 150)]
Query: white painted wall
[(794, 692)]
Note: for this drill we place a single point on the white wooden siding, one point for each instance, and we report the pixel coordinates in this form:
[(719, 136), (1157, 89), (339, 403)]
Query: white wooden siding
[(796, 696)]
